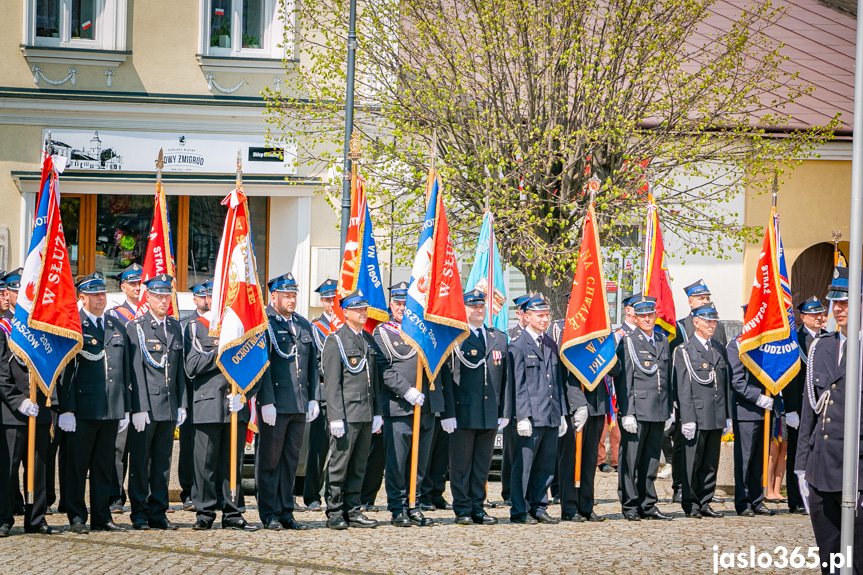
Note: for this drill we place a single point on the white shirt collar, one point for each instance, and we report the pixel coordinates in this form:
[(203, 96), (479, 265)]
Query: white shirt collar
[(328, 317), (649, 336), (536, 337), (631, 326), (93, 318), (812, 333), (704, 342), (352, 329)]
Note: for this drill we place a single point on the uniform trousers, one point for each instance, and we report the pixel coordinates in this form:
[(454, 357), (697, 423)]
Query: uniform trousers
[(470, 453), (186, 465), (316, 457), (532, 469), (638, 466), (11, 459), (276, 460), (506, 461), (795, 500), (149, 470), (121, 464), (211, 489), (825, 512), (90, 450), (578, 500), (748, 465), (398, 437), (348, 456), (434, 481), (374, 476), (700, 463)]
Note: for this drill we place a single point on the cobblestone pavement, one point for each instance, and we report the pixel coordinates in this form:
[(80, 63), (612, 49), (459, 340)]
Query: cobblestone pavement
[(614, 546)]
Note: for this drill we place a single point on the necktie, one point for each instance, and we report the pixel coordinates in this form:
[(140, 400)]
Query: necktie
[(481, 336), (99, 328)]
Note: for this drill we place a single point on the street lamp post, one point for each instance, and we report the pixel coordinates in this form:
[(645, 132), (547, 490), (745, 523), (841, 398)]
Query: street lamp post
[(349, 123)]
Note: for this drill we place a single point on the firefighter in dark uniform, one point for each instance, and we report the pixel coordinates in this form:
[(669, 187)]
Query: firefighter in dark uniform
[(398, 365), (475, 401), (202, 293), (643, 385), (822, 428), (812, 316), (158, 404), (374, 477), (286, 401), (535, 404), (703, 384), (15, 411), (319, 434), (213, 404), (351, 386), (586, 412), (94, 404), (130, 285), (748, 402), (697, 294), (508, 431)]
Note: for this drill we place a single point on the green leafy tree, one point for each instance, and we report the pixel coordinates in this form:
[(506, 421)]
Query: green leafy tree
[(525, 100)]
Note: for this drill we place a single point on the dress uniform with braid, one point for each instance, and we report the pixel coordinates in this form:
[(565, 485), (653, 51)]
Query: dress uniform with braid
[(506, 434)]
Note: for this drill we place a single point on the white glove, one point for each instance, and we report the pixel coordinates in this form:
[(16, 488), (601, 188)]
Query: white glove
[(804, 487), (524, 428), (669, 422), (337, 428), (28, 408), (140, 420), (377, 424), (415, 397), (124, 423), (67, 422), (673, 418), (792, 419), (561, 429), (580, 418), (313, 410), (502, 422), (268, 414), (729, 427), (235, 403), (181, 416), (688, 430), (449, 424), (764, 402), (629, 424)]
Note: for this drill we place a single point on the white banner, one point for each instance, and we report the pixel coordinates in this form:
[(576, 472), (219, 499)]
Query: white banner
[(183, 152)]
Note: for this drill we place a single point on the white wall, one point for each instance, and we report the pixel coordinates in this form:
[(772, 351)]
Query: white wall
[(290, 243)]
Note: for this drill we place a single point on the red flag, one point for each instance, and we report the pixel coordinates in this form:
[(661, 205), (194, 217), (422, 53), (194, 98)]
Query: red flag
[(160, 255), (655, 281)]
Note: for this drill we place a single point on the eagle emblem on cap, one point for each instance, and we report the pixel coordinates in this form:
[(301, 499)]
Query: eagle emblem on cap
[(835, 274), (136, 267), (97, 275), (163, 277)]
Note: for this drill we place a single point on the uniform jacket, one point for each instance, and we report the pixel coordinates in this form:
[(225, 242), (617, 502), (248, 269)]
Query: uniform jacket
[(685, 329), (353, 397), (397, 362), (536, 382), (792, 394), (647, 396), (478, 370), (576, 395), (819, 447), (15, 388), (292, 382), (707, 404), (123, 312), (745, 389), (514, 331), (99, 389), (210, 386), (158, 390)]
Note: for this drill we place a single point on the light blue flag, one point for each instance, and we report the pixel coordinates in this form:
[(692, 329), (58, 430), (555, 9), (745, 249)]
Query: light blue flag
[(479, 272)]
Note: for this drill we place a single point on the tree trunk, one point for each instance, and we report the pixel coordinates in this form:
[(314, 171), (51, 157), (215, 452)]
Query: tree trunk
[(556, 295)]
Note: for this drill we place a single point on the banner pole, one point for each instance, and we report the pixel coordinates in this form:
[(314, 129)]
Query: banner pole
[(415, 438), (233, 448), (579, 440), (31, 444), (766, 457)]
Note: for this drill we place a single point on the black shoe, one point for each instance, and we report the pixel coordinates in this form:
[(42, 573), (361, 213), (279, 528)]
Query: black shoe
[(717, 499), (747, 512), (799, 511), (606, 468), (274, 525), (364, 508), (110, 526), (314, 506), (418, 519), (483, 519), (360, 520), (293, 524), (677, 497), (202, 525), (507, 502), (116, 508), (464, 520), (163, 525), (43, 529), (336, 522), (78, 527), (594, 518), (441, 504), (140, 525), (188, 506), (401, 520), (547, 519), (709, 512), (761, 510), (4, 530), (632, 516), (575, 518), (694, 514), (241, 525), (657, 516), (427, 507), (524, 520)]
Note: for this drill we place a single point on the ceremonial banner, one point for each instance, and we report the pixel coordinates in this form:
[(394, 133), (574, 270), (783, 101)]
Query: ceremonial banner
[(768, 344), (487, 270), (160, 254), (587, 347), (46, 329), (655, 282), (237, 316), (360, 268), (435, 317)]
